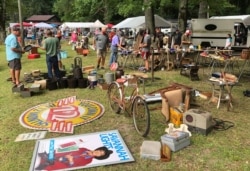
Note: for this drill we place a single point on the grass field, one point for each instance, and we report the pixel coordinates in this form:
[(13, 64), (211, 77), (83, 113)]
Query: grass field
[(219, 151)]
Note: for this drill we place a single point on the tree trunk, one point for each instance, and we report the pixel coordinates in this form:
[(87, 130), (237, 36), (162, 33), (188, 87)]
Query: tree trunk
[(149, 16), (2, 21), (203, 9), (182, 17), (150, 24)]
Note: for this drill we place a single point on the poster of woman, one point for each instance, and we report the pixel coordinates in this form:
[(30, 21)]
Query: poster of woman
[(80, 151)]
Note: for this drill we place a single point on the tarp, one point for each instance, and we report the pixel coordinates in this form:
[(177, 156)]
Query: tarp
[(24, 24), (139, 22), (43, 25)]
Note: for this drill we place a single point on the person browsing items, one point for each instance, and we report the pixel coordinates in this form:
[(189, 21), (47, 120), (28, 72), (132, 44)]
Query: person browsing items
[(145, 49), (51, 45), (115, 44), (185, 42), (101, 42), (176, 39), (228, 44), (14, 53)]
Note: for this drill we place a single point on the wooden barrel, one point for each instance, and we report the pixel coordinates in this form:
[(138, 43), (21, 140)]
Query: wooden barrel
[(245, 54)]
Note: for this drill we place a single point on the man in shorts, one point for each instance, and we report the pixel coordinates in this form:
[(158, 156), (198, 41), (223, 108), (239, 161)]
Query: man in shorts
[(145, 49), (101, 42), (14, 53)]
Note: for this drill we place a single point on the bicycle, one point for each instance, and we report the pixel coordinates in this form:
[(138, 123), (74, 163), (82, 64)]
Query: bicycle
[(134, 105)]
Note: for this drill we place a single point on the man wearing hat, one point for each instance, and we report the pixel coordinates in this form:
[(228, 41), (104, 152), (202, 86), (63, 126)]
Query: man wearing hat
[(185, 41), (13, 54)]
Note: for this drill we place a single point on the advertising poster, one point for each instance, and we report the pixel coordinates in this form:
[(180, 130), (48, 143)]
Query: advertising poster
[(61, 115), (80, 151)]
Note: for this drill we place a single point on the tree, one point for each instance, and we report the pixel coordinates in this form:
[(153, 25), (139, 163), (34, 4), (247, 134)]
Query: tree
[(2, 19), (182, 17), (149, 16), (203, 9)]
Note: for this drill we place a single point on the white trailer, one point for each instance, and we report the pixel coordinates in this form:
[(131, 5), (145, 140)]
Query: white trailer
[(213, 31)]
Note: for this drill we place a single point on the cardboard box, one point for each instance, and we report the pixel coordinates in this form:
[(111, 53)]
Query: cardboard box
[(26, 92), (176, 140), (35, 87), (151, 150), (17, 88)]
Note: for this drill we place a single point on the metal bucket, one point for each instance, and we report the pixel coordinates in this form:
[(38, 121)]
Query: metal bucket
[(92, 77), (109, 77)]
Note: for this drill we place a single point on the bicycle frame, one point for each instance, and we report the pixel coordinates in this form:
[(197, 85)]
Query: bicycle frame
[(126, 102)]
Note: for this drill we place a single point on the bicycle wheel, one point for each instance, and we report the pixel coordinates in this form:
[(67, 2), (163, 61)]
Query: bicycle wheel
[(141, 116), (115, 97)]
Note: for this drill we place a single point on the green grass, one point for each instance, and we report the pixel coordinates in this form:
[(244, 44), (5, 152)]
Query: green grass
[(220, 150)]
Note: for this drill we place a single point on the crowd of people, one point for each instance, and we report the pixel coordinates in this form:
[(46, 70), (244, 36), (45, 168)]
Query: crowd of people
[(14, 50), (114, 40)]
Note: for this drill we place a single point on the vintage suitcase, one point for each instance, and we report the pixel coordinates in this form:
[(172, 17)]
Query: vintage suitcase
[(176, 140), (198, 121)]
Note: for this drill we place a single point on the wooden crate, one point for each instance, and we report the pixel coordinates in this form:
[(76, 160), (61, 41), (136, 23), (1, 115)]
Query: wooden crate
[(88, 69)]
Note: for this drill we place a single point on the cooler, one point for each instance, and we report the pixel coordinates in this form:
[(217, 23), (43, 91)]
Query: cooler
[(64, 54), (151, 150)]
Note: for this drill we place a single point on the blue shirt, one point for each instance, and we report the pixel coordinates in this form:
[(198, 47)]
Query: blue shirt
[(11, 42)]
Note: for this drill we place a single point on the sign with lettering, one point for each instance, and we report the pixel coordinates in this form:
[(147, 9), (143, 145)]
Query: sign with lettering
[(80, 151), (67, 110)]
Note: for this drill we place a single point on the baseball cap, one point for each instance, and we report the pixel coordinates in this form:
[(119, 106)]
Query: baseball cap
[(15, 29), (188, 32)]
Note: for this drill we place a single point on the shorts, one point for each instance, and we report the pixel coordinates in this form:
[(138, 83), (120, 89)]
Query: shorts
[(15, 64), (145, 55), (101, 53)]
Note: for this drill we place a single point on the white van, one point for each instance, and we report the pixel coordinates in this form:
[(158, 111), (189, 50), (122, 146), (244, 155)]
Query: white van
[(213, 31)]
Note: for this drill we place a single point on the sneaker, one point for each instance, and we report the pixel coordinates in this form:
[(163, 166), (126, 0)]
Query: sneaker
[(102, 67), (98, 66)]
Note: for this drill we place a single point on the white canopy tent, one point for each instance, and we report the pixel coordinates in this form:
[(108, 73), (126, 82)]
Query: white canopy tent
[(98, 23), (139, 22), (77, 24)]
